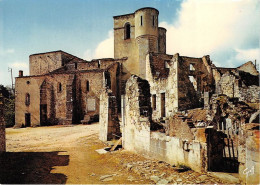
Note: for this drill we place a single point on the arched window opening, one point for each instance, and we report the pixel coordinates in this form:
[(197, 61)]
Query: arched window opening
[(27, 99), (59, 87), (87, 86), (107, 80), (127, 31), (76, 65), (99, 62), (141, 20)]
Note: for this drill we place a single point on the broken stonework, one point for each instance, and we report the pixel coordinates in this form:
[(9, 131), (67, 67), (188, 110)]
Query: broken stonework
[(109, 123), (137, 135), (249, 152), (224, 108)]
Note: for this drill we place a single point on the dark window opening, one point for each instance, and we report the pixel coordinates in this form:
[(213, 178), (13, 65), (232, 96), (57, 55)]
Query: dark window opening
[(27, 99), (163, 105), (153, 20), (87, 86), (99, 64), (127, 31), (76, 65), (59, 87), (141, 20), (154, 101), (107, 80)]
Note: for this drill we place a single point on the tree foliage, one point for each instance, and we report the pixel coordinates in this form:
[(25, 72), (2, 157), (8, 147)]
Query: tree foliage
[(9, 105)]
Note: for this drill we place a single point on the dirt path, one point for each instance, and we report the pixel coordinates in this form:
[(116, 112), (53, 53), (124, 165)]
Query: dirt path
[(60, 155), (66, 154)]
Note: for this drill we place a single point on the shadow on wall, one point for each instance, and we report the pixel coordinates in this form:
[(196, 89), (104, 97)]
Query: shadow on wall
[(31, 168)]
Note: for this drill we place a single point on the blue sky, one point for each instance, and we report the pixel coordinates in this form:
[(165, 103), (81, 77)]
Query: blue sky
[(228, 30)]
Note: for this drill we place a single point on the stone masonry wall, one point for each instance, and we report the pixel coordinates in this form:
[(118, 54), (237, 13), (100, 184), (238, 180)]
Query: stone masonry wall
[(57, 95), (136, 130), (126, 47), (137, 136), (177, 151), (162, 80), (195, 77), (44, 63), (249, 152), (109, 123)]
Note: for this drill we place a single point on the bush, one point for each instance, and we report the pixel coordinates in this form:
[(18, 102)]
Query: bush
[(9, 113)]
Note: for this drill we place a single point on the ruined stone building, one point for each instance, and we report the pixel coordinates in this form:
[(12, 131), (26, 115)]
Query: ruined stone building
[(179, 109), (63, 89)]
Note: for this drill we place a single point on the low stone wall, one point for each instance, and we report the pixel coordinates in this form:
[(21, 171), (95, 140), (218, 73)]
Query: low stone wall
[(177, 151), (173, 150), (249, 152)]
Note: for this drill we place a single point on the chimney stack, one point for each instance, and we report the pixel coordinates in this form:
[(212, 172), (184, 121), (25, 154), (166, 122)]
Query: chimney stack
[(20, 73)]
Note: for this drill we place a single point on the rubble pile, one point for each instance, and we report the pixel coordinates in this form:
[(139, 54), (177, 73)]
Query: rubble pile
[(163, 173), (222, 107)]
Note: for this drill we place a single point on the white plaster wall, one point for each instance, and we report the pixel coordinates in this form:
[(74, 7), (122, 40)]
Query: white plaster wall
[(103, 118)]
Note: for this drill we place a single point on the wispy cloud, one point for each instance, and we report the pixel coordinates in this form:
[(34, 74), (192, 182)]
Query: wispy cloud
[(18, 65), (225, 29), (7, 51), (105, 49)]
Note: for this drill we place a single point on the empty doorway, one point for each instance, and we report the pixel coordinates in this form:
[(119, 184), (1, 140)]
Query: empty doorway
[(162, 104), (27, 119)]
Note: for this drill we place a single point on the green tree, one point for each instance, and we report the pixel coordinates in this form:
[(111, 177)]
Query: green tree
[(9, 105)]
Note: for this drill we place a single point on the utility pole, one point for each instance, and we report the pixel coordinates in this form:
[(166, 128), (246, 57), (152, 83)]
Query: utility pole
[(11, 70)]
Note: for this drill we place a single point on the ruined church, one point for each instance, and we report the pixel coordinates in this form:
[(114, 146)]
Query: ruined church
[(179, 109)]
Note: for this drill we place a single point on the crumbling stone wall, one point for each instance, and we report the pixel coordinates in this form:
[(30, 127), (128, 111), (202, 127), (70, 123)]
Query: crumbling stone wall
[(249, 152), (222, 108), (228, 85), (178, 151), (103, 63), (2, 126), (195, 76), (178, 127), (136, 130), (109, 123), (138, 137), (249, 67), (171, 75), (240, 84), (162, 76)]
